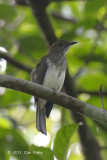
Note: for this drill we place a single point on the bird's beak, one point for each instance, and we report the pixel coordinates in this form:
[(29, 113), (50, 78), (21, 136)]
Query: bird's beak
[(72, 43)]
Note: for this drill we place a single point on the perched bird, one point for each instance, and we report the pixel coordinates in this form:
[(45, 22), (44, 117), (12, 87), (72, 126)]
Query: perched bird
[(50, 71)]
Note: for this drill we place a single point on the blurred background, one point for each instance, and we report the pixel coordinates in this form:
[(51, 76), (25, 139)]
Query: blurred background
[(23, 41)]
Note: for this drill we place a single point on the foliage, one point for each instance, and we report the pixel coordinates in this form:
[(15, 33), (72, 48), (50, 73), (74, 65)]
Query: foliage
[(41, 153), (21, 36), (62, 139)]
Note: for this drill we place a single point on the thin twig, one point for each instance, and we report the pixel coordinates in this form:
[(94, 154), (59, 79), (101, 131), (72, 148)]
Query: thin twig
[(15, 62), (15, 42)]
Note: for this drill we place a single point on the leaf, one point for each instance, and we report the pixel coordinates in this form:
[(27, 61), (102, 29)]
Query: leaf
[(40, 153), (13, 142), (13, 97), (93, 6), (7, 12), (92, 80), (62, 139)]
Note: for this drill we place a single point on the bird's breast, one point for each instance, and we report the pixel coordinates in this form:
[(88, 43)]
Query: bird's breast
[(54, 77)]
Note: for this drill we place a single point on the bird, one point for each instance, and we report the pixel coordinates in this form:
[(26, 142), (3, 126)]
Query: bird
[(50, 72)]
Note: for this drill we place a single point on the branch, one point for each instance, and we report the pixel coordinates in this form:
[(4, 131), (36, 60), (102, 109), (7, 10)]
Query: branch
[(15, 42), (57, 97), (15, 62), (86, 138), (43, 21)]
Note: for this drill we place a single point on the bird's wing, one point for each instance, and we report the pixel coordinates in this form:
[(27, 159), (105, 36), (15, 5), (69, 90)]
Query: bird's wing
[(37, 76), (38, 73)]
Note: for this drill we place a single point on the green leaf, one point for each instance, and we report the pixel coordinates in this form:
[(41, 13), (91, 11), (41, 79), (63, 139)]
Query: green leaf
[(7, 12), (12, 142), (40, 153), (93, 6), (92, 80), (62, 139)]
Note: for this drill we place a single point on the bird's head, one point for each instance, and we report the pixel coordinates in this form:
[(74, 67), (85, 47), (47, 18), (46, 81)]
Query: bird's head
[(60, 47)]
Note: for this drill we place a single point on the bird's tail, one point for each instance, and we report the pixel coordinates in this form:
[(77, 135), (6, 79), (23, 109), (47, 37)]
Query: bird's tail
[(40, 119)]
